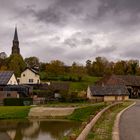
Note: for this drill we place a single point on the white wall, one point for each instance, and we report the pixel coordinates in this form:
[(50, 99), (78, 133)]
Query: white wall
[(28, 74), (89, 96), (12, 81)]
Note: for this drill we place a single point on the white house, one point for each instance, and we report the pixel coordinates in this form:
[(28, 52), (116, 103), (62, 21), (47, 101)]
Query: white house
[(8, 78), (29, 76)]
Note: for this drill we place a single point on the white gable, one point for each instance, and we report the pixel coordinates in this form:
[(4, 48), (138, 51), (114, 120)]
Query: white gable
[(12, 80)]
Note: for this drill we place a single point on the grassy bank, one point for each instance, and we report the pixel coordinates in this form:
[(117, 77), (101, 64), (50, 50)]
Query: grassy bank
[(14, 112), (83, 115), (103, 128)]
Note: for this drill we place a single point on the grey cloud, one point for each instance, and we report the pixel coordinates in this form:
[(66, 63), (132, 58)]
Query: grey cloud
[(106, 50), (131, 51), (78, 39)]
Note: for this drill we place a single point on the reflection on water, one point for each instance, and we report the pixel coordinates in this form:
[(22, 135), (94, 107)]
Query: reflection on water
[(35, 130)]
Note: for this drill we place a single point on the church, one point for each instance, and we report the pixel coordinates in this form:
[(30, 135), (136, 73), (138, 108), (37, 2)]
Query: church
[(28, 75)]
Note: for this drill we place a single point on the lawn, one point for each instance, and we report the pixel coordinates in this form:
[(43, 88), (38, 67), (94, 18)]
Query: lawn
[(87, 80), (76, 85), (14, 112), (104, 126)]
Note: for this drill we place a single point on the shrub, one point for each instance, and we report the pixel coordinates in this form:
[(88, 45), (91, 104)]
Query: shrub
[(18, 101)]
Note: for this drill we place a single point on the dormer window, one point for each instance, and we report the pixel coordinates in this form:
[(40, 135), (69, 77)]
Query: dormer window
[(23, 75)]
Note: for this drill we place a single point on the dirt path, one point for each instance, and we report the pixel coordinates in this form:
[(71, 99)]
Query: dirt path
[(42, 112)]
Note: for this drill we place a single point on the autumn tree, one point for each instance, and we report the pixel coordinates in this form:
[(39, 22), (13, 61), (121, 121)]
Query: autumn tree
[(121, 68), (55, 68)]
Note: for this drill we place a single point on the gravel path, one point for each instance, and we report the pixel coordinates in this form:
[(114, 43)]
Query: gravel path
[(130, 123), (42, 112)]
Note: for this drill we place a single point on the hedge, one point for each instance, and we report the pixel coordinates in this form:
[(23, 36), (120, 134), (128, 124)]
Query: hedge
[(17, 101)]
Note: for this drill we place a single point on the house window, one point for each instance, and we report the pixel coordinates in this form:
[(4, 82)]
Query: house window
[(31, 80), (23, 75)]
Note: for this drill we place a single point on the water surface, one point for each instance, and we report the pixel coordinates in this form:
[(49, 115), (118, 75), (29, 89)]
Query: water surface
[(35, 129)]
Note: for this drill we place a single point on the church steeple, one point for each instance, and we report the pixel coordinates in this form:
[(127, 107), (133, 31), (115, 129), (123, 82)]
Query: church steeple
[(15, 47), (16, 35)]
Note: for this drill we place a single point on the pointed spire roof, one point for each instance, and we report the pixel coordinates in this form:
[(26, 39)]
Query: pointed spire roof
[(16, 35)]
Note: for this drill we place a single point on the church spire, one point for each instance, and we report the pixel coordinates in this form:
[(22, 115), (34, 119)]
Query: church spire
[(15, 47), (15, 35)]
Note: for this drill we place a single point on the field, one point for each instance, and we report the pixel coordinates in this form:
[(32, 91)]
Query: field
[(14, 112), (82, 85)]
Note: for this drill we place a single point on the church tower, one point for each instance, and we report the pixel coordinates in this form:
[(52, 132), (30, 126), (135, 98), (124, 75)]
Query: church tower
[(15, 47)]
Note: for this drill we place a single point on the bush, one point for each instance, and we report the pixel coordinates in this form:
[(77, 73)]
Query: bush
[(18, 101)]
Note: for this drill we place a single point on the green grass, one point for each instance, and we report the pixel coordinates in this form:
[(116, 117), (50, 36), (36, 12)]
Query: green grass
[(103, 128), (77, 86), (82, 114), (14, 112), (87, 80)]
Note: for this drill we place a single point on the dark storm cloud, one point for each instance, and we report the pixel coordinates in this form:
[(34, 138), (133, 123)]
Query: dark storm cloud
[(119, 5), (124, 12), (72, 29)]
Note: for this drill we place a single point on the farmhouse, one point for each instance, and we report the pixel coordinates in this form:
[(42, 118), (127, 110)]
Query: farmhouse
[(29, 76), (107, 93), (132, 83), (8, 78)]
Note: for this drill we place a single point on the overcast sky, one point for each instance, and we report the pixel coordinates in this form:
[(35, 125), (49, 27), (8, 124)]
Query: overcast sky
[(72, 30)]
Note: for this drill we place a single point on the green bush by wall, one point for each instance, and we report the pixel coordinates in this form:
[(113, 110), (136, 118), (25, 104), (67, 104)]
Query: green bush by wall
[(18, 101)]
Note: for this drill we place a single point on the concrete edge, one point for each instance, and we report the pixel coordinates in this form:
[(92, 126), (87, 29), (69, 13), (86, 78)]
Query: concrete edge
[(89, 126), (115, 132)]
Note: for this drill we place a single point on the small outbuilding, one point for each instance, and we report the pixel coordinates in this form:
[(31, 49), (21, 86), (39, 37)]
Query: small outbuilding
[(107, 93)]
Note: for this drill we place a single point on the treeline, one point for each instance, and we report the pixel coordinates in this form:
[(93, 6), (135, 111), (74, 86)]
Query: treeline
[(57, 70), (101, 66), (98, 67)]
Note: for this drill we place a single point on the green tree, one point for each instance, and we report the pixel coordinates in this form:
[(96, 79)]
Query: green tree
[(78, 71), (99, 66), (16, 64), (133, 66), (121, 68), (89, 67), (32, 61)]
